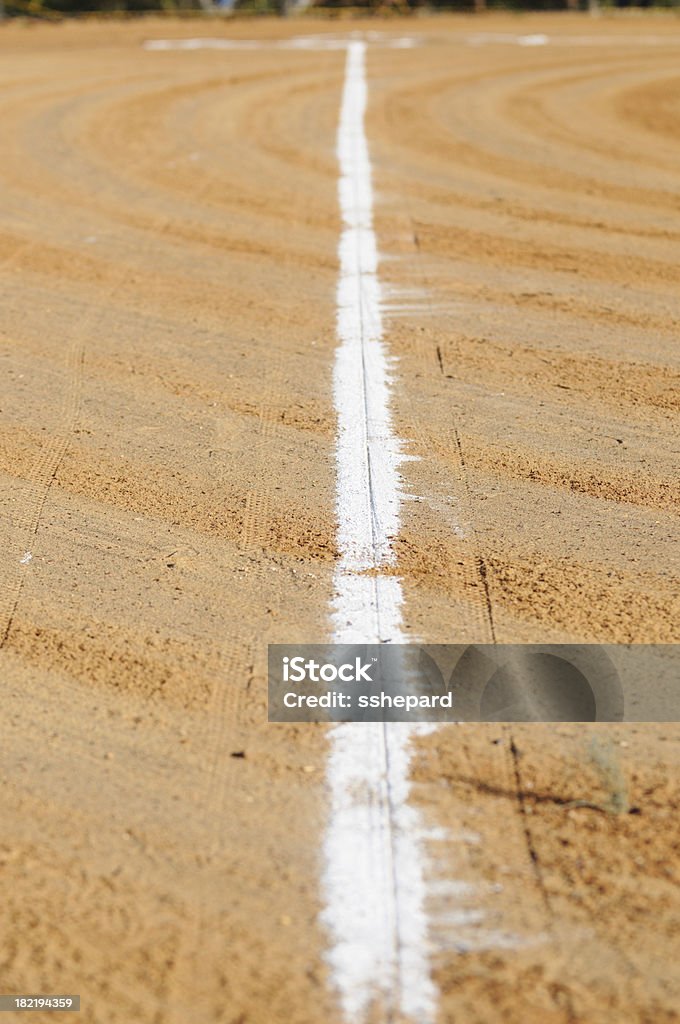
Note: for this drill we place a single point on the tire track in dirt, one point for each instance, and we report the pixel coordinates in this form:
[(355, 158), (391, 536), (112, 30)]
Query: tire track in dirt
[(231, 693), (428, 363), (34, 492)]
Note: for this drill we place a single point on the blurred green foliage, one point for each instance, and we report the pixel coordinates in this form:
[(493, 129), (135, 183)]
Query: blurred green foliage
[(61, 8)]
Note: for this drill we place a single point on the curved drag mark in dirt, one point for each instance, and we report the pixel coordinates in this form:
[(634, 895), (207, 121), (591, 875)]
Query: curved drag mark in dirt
[(374, 880)]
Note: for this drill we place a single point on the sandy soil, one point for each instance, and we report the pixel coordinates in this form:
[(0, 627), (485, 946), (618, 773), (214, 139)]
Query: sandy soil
[(168, 234)]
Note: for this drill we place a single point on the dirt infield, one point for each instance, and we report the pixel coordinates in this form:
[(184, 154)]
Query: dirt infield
[(169, 227)]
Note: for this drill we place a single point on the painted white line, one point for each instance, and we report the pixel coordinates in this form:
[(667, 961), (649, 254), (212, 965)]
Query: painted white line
[(368, 453), (319, 42), (539, 39), (374, 879), (329, 42)]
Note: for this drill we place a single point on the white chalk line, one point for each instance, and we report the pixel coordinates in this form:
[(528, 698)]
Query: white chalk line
[(296, 43), (540, 39), (332, 42), (374, 878)]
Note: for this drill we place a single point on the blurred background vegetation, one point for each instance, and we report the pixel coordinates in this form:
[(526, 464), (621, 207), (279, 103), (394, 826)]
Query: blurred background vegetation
[(55, 9)]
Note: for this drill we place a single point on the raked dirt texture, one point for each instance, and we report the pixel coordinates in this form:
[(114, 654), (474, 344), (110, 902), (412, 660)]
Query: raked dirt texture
[(171, 466)]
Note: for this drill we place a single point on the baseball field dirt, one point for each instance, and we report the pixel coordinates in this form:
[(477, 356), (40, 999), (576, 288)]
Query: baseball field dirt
[(169, 227)]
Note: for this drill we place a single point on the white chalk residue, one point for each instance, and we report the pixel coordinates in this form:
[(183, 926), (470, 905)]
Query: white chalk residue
[(536, 40), (374, 882)]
